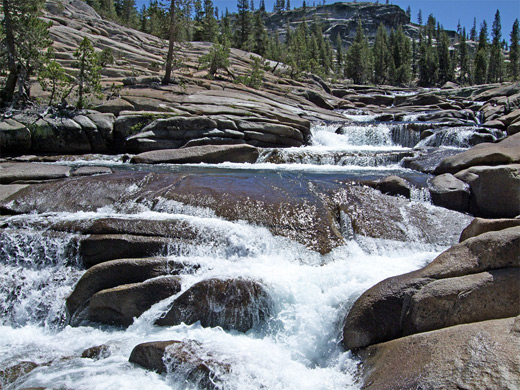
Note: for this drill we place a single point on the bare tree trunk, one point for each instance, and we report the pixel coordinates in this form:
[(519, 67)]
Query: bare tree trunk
[(169, 57), (10, 85)]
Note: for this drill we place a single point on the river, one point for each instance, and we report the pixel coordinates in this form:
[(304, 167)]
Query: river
[(299, 347)]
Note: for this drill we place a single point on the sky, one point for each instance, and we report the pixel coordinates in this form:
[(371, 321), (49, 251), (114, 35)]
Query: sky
[(447, 12)]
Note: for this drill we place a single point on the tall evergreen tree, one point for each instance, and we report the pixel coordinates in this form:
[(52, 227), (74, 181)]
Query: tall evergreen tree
[(209, 31), (443, 53), (464, 68), (381, 55), (23, 50), (260, 34), (495, 58), (89, 72), (243, 25), (514, 55), (401, 50), (481, 58), (419, 18), (473, 31), (359, 58)]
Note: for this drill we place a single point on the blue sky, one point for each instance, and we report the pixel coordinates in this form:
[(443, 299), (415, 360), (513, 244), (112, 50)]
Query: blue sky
[(447, 12)]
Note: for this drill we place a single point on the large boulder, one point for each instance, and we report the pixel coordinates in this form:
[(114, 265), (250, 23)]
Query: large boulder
[(210, 154), (98, 248), (237, 304), (448, 191), (482, 355), (115, 273), (506, 151), (483, 225), (394, 185), (495, 190), (59, 135), (460, 276), (119, 305), (15, 137), (188, 358)]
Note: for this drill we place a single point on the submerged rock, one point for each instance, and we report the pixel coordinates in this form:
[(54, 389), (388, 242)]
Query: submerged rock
[(231, 304), (97, 352), (188, 359), (482, 355)]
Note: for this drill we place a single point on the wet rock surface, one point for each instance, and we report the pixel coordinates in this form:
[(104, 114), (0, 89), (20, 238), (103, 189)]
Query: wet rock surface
[(233, 304), (188, 358)]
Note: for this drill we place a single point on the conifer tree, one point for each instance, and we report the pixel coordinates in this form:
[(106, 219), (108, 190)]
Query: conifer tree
[(402, 56), (495, 58), (209, 32), (443, 53), (243, 25), (89, 72), (24, 50), (359, 58), (481, 58), (260, 34), (473, 31), (514, 55), (339, 54), (464, 69), (381, 55)]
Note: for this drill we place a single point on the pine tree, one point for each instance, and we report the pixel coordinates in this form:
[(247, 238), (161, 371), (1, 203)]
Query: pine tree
[(428, 62), (481, 58), (443, 53), (381, 55), (495, 59), (359, 58), (514, 65), (209, 31), (419, 18), (243, 25), (473, 31), (260, 34), (464, 69), (402, 56), (23, 51), (89, 72), (339, 54), (409, 13)]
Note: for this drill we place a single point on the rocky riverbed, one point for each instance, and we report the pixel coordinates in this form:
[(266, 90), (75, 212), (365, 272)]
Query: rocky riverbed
[(302, 236)]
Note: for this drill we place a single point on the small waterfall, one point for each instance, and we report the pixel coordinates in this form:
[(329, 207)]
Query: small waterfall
[(460, 137)]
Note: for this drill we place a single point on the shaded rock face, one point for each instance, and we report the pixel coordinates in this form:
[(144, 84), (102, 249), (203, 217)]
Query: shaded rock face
[(458, 287), (98, 248), (187, 358), (26, 172), (495, 190), (120, 305), (111, 274), (448, 191), (231, 304), (482, 355)]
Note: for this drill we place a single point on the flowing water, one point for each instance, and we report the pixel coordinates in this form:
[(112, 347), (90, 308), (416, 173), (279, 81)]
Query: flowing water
[(300, 345)]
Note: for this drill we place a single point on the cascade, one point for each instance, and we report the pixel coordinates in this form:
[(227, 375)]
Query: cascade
[(298, 347)]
